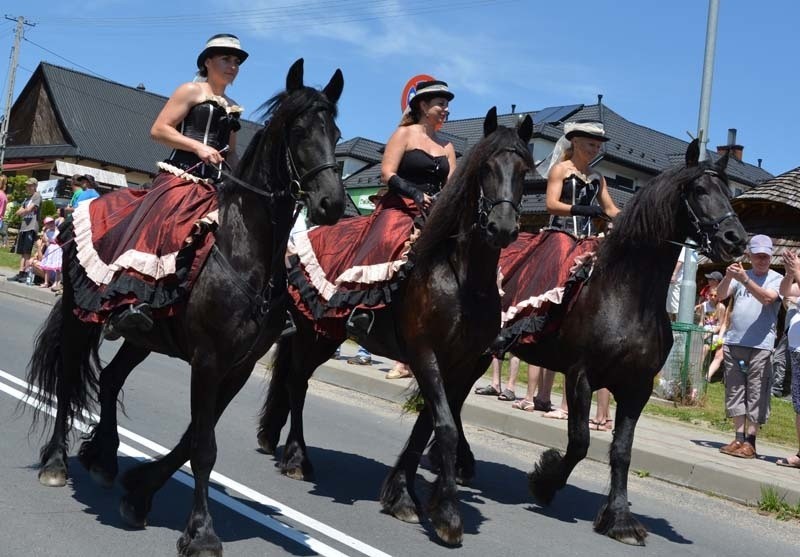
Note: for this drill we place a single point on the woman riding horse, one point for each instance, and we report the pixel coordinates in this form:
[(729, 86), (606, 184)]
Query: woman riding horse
[(441, 317), (233, 314)]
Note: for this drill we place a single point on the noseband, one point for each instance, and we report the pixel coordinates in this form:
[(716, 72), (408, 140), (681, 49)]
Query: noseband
[(487, 205), (705, 229)]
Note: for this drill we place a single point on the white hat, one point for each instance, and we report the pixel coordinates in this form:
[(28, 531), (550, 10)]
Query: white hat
[(224, 43), (595, 130), (760, 244)]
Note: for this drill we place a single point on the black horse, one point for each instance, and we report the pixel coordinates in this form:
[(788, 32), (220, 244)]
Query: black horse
[(446, 313), (235, 311), (617, 334)]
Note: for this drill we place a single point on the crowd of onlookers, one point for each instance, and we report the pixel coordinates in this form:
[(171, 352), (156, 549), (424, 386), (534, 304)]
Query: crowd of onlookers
[(37, 236)]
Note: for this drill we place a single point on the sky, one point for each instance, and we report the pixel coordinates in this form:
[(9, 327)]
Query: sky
[(644, 56)]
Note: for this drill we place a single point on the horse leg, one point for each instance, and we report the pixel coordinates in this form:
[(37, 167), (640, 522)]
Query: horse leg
[(276, 407), (398, 496), (294, 461), (143, 481), (443, 505), (465, 460), (98, 453), (552, 471), (615, 519)]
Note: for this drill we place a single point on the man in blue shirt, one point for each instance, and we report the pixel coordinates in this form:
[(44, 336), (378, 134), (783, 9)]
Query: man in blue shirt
[(87, 182)]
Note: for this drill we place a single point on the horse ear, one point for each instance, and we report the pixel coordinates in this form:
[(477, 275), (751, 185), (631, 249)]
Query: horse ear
[(525, 129), (490, 122), (333, 90), (294, 79), (693, 153)]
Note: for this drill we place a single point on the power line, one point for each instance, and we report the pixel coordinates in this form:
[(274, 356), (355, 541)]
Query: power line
[(66, 59)]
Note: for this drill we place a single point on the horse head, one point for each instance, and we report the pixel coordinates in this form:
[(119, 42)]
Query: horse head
[(713, 224), (502, 175), (299, 139)]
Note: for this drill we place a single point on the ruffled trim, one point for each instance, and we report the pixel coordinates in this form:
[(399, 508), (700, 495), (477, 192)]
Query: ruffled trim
[(554, 296), (181, 173), (223, 103), (102, 273)]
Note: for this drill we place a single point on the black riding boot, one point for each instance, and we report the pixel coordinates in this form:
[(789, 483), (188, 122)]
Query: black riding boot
[(133, 319), (359, 324)]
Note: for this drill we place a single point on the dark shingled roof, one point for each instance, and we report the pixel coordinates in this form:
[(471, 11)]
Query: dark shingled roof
[(107, 121), (364, 178), (39, 151), (784, 188), (361, 148)]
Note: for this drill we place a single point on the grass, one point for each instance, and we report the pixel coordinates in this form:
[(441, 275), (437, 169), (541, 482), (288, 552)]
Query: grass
[(709, 413), (773, 503), (8, 259)]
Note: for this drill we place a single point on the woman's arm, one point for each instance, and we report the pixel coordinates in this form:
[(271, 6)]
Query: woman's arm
[(606, 202), (451, 158), (555, 183), (165, 127), (393, 153)]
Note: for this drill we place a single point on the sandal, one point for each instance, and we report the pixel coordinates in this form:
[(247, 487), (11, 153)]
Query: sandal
[(605, 425), (790, 461), (507, 395), (557, 414), (523, 404), (487, 390)]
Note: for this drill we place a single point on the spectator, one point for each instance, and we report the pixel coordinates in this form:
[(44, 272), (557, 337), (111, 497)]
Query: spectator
[(49, 266), (674, 293), (781, 358), (29, 228), (89, 192), (496, 386), (3, 205), (77, 188), (790, 289), (712, 281), (748, 344), (540, 382)]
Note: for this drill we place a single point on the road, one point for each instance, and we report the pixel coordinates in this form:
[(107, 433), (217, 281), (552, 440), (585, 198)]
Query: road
[(353, 440)]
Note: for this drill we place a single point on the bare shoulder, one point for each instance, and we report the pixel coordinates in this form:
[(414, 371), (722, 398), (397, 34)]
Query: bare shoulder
[(561, 170), (188, 92)]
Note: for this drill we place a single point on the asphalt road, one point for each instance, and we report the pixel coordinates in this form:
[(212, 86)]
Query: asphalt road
[(353, 440)]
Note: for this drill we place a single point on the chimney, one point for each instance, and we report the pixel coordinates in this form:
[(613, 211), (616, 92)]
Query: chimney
[(732, 147), (513, 108), (759, 162), (600, 107), (140, 87)]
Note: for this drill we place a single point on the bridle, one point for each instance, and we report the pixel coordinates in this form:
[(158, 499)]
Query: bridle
[(486, 205), (705, 229)]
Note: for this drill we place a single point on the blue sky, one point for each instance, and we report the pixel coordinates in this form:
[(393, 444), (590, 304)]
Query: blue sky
[(644, 57)]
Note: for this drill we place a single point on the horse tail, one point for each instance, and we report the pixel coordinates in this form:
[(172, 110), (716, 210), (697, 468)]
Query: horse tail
[(65, 363), (275, 412)]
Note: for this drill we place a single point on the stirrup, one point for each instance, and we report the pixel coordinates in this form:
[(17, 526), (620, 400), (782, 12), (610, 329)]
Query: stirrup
[(360, 322), (135, 318), (289, 327)]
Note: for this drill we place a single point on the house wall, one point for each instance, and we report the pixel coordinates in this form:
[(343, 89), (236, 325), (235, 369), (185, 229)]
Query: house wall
[(33, 122)]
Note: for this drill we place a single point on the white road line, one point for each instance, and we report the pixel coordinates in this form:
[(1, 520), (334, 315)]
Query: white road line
[(222, 498)]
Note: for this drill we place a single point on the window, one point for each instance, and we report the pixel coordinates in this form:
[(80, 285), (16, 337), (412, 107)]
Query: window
[(623, 183)]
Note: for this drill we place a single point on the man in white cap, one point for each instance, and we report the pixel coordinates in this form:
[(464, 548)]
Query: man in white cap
[(749, 342)]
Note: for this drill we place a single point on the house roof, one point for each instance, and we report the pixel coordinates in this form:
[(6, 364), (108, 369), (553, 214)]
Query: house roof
[(361, 148), (784, 188), (104, 120)]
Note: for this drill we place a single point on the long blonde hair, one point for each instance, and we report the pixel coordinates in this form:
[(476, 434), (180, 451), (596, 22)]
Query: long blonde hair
[(3, 184)]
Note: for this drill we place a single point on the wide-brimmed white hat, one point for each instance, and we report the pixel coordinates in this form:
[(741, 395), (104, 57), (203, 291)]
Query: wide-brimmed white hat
[(224, 43), (430, 90), (594, 130)]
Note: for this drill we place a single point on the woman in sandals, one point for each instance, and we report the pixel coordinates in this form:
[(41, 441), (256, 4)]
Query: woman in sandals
[(790, 291)]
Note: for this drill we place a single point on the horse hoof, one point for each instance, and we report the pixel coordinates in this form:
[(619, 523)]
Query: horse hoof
[(207, 546), (406, 514), (447, 523), (620, 525), (53, 477), (266, 446), (631, 540), (296, 473), (129, 516)]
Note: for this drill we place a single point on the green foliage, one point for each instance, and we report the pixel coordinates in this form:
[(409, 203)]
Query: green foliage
[(772, 502), (16, 188), (414, 403), (642, 473), (47, 209)]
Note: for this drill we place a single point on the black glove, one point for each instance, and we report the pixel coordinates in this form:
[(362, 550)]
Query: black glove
[(586, 211), (406, 189)]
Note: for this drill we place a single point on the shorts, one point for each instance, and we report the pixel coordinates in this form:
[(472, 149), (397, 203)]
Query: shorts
[(748, 394), (673, 298), (25, 241)]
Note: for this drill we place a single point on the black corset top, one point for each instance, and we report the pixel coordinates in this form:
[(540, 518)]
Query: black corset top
[(210, 123), (427, 172)]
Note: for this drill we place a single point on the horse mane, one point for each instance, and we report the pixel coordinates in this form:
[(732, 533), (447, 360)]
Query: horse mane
[(460, 194), (277, 113), (651, 215)]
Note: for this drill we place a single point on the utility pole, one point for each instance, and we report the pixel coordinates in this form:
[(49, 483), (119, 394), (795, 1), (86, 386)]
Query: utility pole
[(689, 285), (9, 97)]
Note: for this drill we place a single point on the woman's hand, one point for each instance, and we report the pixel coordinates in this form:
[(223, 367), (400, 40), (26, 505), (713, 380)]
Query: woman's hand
[(427, 201), (208, 154)]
